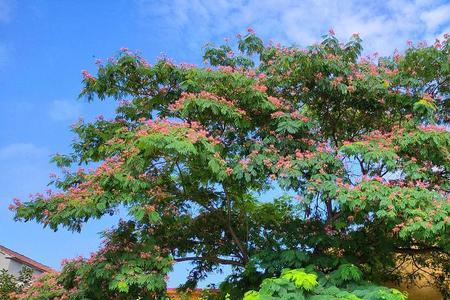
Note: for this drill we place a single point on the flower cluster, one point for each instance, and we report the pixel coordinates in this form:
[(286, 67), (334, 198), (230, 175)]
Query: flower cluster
[(187, 97), (193, 131)]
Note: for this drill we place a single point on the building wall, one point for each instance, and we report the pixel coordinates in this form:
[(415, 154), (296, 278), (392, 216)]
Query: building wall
[(14, 267), (4, 262), (416, 293), (421, 290)]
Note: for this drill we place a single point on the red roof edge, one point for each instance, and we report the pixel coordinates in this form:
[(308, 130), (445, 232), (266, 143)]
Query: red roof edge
[(25, 260), (175, 289), (195, 292)]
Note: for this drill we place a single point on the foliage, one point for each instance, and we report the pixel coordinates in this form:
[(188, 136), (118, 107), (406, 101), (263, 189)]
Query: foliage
[(357, 146), (44, 287), (344, 283), (10, 284)]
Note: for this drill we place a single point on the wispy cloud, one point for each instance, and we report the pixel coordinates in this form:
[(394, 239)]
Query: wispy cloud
[(436, 17), (384, 25), (64, 110)]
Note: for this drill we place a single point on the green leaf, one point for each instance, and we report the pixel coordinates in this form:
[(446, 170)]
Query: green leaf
[(122, 286), (300, 278)]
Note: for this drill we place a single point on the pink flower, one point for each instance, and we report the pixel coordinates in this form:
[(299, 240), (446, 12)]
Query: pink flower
[(329, 230), (267, 162), (318, 75), (275, 101), (17, 202), (87, 75), (145, 255), (396, 229), (226, 69), (244, 163), (378, 178), (229, 171), (260, 88)]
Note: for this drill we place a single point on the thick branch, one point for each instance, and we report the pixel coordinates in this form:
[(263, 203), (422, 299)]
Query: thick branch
[(231, 230), (420, 250), (211, 259), (361, 164), (329, 206)]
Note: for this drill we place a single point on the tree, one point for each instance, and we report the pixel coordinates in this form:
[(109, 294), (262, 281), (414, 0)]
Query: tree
[(358, 145), (10, 285)]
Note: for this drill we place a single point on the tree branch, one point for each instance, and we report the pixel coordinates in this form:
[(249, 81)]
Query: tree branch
[(231, 230), (211, 259), (420, 250)]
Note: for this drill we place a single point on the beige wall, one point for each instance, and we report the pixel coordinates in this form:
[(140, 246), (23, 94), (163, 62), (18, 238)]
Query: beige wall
[(422, 290), (425, 293)]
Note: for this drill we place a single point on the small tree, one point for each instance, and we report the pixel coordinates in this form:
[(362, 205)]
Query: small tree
[(9, 284), (359, 146)]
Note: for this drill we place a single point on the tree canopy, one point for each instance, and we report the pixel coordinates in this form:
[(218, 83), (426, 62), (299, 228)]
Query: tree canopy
[(358, 145)]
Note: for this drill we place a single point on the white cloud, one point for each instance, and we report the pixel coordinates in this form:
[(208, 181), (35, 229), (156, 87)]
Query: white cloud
[(383, 25), (21, 151), (65, 110), (436, 17)]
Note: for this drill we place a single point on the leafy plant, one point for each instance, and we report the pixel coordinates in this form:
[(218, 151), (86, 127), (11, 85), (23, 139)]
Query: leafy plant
[(298, 284), (10, 284)]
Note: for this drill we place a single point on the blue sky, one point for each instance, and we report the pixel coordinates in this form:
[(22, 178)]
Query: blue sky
[(44, 45)]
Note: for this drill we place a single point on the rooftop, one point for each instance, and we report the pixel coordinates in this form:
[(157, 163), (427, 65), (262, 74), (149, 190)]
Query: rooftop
[(25, 260)]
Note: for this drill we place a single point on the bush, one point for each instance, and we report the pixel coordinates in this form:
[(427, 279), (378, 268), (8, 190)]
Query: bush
[(345, 283), (9, 284)]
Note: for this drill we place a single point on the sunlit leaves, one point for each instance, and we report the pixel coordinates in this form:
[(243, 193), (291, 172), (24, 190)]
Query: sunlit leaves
[(306, 287), (300, 278)]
